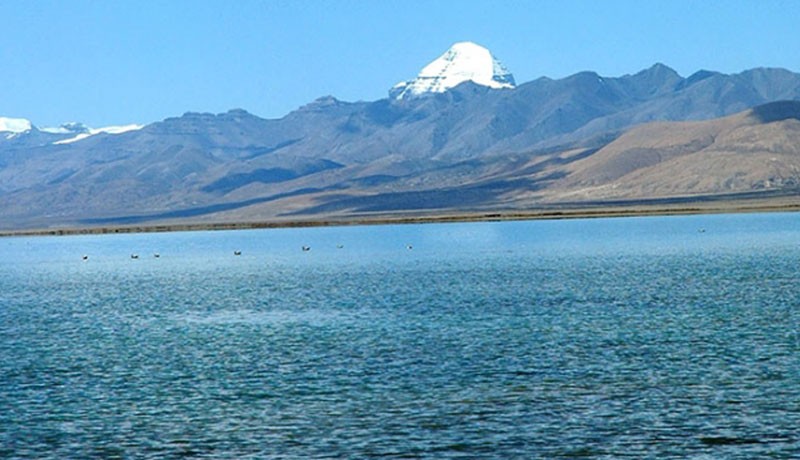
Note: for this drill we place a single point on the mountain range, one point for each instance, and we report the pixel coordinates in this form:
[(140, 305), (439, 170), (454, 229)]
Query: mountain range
[(461, 137)]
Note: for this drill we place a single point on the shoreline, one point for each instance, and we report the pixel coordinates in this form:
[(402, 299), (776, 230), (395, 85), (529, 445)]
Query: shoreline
[(423, 218)]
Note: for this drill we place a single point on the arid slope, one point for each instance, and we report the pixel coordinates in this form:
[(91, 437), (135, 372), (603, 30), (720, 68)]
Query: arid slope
[(756, 150)]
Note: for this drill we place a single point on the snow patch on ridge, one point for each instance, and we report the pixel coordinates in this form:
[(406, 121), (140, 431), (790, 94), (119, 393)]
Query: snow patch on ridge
[(94, 131), (13, 127), (464, 61)]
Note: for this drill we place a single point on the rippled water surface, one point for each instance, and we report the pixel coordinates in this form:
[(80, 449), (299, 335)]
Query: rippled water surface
[(670, 337)]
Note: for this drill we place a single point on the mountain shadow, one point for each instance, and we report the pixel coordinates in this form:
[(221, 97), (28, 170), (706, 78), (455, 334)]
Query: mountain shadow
[(777, 111)]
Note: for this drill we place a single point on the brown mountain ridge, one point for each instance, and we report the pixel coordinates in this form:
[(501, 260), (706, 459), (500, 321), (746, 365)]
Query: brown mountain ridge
[(752, 151)]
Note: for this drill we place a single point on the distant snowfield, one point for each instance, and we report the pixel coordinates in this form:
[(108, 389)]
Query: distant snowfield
[(13, 126), (95, 131)]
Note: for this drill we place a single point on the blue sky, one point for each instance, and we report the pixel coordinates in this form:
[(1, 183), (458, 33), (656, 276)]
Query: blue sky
[(117, 62)]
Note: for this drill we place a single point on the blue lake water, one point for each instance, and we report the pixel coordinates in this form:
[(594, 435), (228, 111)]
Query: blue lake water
[(652, 337)]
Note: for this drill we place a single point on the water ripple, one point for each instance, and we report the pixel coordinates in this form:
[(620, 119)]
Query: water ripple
[(512, 355)]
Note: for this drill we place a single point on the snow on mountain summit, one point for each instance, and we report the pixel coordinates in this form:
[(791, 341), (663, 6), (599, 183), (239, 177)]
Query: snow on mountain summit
[(14, 125), (464, 61)]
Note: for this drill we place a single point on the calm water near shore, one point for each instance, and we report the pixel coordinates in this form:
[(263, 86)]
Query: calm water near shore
[(652, 337)]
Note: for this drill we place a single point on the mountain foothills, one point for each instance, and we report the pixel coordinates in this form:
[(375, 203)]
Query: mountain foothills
[(461, 137)]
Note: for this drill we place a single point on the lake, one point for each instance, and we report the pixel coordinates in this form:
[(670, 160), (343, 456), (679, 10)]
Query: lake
[(649, 337)]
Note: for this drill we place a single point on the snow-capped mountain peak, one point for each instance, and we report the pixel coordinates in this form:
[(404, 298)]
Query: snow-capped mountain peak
[(14, 126), (464, 61)]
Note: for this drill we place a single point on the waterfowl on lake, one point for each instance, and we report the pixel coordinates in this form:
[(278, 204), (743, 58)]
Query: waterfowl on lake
[(237, 253), (306, 248), (134, 256)]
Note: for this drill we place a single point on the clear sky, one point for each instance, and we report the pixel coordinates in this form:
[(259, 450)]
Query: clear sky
[(108, 62)]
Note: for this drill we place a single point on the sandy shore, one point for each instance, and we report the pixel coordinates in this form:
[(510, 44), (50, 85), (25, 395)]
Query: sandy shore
[(440, 217)]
